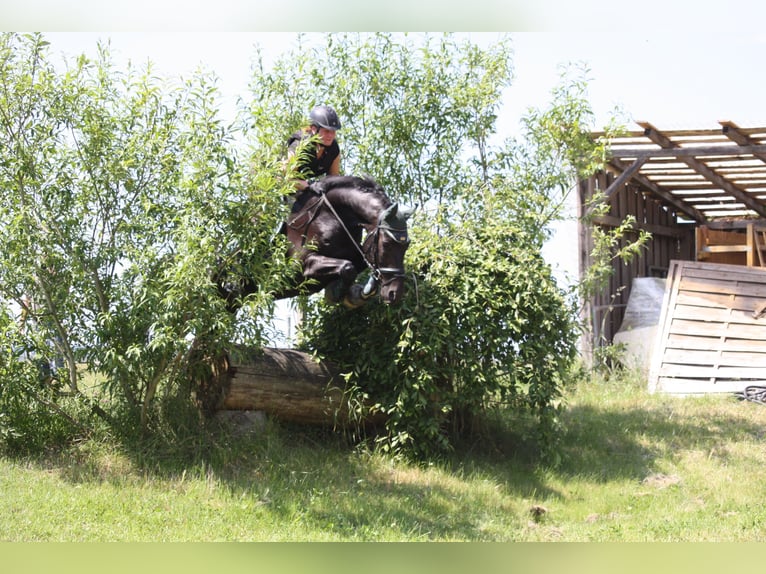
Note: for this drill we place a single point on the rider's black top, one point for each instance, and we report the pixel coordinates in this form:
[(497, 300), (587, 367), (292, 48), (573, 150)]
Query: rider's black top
[(309, 165)]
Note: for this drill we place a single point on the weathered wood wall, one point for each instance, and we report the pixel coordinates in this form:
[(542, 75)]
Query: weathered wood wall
[(671, 240)]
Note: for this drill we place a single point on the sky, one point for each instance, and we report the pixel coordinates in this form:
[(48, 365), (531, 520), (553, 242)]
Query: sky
[(675, 80), (678, 65)]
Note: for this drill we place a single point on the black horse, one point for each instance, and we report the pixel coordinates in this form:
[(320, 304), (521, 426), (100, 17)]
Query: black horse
[(337, 228)]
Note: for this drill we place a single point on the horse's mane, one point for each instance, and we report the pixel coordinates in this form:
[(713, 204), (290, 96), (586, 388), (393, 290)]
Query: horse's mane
[(366, 183)]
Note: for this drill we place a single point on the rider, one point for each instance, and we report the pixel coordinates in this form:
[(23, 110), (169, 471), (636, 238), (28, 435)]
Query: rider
[(318, 155), (318, 150)]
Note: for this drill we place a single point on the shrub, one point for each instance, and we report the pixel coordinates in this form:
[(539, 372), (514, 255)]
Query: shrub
[(483, 324)]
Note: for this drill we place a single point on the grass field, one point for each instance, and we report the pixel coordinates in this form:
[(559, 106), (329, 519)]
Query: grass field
[(635, 467)]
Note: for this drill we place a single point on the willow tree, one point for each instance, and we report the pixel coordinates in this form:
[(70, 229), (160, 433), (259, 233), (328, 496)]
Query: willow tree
[(484, 323), (121, 192)]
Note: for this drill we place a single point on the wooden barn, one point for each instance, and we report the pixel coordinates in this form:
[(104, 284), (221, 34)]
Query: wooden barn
[(702, 195)]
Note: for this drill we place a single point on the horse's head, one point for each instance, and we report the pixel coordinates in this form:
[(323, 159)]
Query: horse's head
[(385, 246)]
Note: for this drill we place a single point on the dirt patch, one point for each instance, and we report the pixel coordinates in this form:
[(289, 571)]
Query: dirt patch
[(661, 481)]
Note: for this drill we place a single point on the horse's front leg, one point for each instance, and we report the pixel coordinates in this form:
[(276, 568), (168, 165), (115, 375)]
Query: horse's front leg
[(335, 275)]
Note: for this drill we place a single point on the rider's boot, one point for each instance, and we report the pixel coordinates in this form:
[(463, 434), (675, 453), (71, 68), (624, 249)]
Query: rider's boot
[(355, 297)]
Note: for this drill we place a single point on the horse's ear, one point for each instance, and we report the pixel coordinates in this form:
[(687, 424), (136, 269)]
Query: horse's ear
[(394, 213), (389, 213), (406, 212)]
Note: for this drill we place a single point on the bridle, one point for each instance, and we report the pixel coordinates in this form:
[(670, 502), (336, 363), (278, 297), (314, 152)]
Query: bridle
[(372, 243), (398, 235)]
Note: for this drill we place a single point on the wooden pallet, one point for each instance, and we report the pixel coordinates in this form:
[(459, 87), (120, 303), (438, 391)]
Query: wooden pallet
[(712, 331)]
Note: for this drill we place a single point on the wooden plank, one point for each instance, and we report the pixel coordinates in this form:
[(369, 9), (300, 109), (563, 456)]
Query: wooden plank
[(728, 273), (725, 248), (624, 177), (708, 372), (700, 328), (758, 243), (722, 286), (687, 152), (691, 342), (752, 256), (668, 301), (720, 301), (712, 357), (717, 315), (680, 386), (708, 339), (699, 268), (712, 237)]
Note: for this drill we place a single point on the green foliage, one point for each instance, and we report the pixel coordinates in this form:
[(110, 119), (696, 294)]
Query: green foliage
[(483, 325), (412, 109), (122, 197), (33, 415)]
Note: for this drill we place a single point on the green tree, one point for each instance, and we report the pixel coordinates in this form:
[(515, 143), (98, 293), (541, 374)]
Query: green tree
[(418, 112), (484, 322), (120, 195)]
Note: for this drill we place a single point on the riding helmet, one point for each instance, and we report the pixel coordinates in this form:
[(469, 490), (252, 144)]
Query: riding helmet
[(325, 117)]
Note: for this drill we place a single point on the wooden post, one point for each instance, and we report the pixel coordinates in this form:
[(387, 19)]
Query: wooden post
[(751, 254)]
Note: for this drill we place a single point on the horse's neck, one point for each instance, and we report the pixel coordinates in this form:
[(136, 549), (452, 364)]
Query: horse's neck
[(364, 205)]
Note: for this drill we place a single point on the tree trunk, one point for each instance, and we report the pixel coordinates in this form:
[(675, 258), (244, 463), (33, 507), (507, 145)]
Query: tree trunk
[(284, 383)]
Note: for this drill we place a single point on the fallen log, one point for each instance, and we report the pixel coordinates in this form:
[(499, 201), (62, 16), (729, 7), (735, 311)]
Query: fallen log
[(286, 384)]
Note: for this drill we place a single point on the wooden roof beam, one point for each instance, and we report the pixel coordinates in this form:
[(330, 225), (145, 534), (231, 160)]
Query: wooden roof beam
[(624, 177), (733, 132), (684, 152), (660, 139), (666, 196), (728, 224)]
